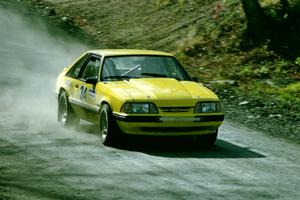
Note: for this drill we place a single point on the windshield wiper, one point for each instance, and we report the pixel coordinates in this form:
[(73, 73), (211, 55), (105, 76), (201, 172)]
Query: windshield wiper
[(160, 75), (154, 74), (136, 67), (117, 77)]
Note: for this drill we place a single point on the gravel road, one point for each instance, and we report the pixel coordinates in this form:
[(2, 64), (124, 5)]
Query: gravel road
[(41, 160)]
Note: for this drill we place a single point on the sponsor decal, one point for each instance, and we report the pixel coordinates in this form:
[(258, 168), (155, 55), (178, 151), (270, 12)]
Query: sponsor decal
[(82, 93)]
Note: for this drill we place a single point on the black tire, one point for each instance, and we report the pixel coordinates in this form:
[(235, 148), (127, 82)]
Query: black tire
[(208, 140), (65, 113), (109, 132)]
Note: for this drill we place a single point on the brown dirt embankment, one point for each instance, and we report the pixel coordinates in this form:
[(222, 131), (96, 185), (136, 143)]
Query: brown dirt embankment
[(129, 24)]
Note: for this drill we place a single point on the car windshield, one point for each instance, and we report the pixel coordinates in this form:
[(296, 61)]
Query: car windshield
[(126, 67)]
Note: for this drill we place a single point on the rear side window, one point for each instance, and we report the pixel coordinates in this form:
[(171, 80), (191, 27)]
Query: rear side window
[(74, 71)]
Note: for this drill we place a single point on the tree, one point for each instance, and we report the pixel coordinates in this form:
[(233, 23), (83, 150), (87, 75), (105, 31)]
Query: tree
[(256, 19), (285, 5), (281, 29)]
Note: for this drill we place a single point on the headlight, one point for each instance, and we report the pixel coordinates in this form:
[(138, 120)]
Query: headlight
[(208, 107), (140, 108)]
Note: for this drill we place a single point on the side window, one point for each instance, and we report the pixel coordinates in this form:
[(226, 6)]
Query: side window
[(91, 68), (74, 71)]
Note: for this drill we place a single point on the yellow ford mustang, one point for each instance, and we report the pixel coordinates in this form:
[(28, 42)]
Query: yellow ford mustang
[(136, 92)]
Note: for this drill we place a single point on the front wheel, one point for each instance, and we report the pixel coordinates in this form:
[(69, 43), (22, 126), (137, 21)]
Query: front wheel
[(208, 140), (65, 113), (108, 126)]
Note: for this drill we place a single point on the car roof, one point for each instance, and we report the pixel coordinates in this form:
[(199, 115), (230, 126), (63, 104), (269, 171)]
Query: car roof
[(124, 52)]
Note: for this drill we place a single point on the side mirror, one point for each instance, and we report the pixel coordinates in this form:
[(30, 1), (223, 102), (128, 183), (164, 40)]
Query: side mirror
[(195, 79), (91, 80)]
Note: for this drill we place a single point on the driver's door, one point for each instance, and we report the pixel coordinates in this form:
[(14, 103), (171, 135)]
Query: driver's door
[(85, 93)]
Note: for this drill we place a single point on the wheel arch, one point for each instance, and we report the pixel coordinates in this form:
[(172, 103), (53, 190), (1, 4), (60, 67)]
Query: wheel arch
[(105, 101), (62, 89)]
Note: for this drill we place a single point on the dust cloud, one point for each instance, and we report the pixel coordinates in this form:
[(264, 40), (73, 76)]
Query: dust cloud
[(31, 57)]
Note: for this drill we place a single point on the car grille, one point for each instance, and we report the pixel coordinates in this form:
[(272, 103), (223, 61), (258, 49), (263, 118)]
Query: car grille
[(177, 129), (175, 109)]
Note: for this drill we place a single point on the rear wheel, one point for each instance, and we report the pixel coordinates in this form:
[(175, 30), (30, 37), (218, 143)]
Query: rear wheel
[(65, 113), (109, 133)]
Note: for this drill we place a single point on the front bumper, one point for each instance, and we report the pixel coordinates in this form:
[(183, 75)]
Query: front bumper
[(169, 125)]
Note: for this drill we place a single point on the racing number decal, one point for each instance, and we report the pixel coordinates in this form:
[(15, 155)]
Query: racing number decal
[(82, 93)]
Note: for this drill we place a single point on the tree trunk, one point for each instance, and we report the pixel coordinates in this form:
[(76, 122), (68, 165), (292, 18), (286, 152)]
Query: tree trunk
[(257, 22)]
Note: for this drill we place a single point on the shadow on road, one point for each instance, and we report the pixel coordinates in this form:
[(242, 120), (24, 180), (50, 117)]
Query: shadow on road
[(179, 147), (188, 148)]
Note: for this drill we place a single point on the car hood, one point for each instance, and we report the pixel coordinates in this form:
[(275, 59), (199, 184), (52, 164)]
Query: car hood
[(161, 89)]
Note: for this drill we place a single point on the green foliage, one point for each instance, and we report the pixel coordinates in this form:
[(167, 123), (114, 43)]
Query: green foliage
[(274, 10), (292, 88), (163, 3), (289, 96), (297, 61)]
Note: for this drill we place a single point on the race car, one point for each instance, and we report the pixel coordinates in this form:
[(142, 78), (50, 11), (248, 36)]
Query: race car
[(136, 92)]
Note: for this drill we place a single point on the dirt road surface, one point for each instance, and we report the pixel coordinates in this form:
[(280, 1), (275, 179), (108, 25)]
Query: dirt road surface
[(41, 160)]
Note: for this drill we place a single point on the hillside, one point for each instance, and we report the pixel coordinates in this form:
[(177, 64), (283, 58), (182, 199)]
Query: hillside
[(259, 83)]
